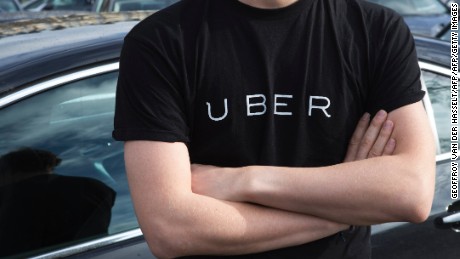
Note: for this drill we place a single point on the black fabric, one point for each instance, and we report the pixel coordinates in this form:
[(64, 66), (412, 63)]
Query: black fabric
[(351, 244), (248, 86)]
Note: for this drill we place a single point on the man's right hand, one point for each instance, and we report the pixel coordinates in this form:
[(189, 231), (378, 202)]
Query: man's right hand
[(371, 138)]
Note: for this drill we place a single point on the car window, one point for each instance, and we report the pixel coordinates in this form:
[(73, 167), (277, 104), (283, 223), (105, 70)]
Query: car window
[(72, 4), (446, 36), (129, 5), (33, 4), (62, 177), (438, 87), (414, 7), (8, 6)]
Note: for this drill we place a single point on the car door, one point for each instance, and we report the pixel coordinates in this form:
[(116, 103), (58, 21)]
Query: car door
[(429, 239), (48, 206)]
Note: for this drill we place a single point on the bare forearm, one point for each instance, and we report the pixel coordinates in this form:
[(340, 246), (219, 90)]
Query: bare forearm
[(177, 222), (384, 183), (376, 190), (207, 226), (399, 187)]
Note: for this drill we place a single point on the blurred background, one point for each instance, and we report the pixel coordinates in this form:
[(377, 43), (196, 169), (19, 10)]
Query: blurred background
[(424, 17), (18, 16), (11, 6), (63, 187)]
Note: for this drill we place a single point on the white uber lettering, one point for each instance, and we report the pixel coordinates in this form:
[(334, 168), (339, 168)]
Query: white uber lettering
[(323, 107), (276, 104), (221, 117), (249, 104)]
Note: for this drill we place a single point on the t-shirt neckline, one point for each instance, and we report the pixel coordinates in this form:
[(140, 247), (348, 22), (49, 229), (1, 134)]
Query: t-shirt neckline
[(270, 14)]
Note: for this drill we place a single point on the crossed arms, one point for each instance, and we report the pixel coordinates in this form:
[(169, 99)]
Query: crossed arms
[(185, 213)]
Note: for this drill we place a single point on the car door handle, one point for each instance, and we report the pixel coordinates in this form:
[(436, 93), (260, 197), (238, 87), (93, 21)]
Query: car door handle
[(454, 218), (451, 220)]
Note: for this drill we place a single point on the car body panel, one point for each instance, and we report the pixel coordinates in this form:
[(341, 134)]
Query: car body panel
[(425, 17), (130, 5), (429, 25), (38, 63), (414, 241), (47, 5), (46, 54), (433, 51)]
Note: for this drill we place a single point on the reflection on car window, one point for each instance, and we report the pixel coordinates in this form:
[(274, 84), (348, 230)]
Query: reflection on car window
[(42, 209), (414, 7), (74, 123), (439, 92), (34, 4), (131, 5), (446, 36), (8, 6)]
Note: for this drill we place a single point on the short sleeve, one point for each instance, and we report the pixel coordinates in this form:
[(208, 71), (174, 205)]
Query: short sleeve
[(150, 102), (395, 80)]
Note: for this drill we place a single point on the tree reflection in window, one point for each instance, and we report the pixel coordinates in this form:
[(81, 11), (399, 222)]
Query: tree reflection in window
[(74, 121)]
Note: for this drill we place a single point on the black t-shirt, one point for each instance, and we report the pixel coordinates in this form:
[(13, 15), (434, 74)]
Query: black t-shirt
[(283, 87)]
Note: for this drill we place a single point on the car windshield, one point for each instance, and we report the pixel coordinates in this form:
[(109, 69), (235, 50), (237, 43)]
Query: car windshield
[(446, 35), (70, 4), (414, 7), (81, 5), (8, 6), (130, 5)]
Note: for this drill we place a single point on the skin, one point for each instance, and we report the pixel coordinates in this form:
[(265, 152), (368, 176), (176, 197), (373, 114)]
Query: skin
[(193, 210), (177, 222), (404, 180), (268, 4)]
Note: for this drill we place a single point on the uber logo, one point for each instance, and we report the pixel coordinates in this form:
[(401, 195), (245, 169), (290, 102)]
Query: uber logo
[(256, 105)]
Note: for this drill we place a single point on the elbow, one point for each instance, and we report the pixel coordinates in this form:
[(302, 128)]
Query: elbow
[(164, 247), (410, 192), (419, 199), (412, 209), (164, 242), (160, 247), (418, 213), (161, 251)]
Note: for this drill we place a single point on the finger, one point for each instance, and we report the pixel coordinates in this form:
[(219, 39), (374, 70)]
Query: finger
[(355, 140), (371, 135), (382, 139), (389, 147)]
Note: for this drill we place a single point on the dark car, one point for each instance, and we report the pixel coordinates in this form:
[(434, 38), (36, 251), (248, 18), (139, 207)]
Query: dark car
[(47, 5), (448, 2), (57, 91), (130, 5), (9, 6), (445, 34), (424, 17), (433, 238)]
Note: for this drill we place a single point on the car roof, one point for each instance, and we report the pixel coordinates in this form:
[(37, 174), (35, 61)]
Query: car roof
[(433, 51), (26, 58)]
